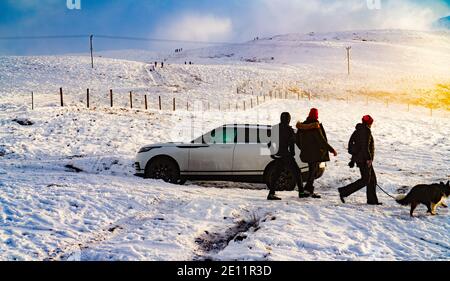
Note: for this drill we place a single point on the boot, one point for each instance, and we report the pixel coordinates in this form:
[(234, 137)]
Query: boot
[(376, 204), (304, 194), (341, 197), (316, 196), (272, 197)]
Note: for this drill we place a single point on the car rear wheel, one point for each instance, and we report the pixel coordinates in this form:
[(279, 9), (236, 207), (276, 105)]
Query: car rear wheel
[(286, 181), (165, 169)]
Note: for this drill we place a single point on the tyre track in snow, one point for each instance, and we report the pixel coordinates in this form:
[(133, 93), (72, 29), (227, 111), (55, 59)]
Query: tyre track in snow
[(211, 242), (74, 251)]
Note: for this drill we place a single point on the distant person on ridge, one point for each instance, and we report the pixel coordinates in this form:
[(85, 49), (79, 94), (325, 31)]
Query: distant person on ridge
[(362, 149), (285, 143), (314, 147)]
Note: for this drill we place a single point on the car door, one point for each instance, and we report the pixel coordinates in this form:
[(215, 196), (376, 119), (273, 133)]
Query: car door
[(214, 156), (252, 153)]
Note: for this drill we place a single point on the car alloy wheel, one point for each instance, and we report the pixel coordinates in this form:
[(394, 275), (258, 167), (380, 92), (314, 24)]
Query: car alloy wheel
[(164, 169), (286, 182)]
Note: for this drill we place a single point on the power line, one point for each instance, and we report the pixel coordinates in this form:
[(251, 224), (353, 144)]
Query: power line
[(111, 37), (42, 37)]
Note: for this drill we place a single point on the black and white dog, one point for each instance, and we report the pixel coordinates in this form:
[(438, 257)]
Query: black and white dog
[(432, 196)]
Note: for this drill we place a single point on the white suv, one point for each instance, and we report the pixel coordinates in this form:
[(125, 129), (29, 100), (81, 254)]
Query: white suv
[(239, 153)]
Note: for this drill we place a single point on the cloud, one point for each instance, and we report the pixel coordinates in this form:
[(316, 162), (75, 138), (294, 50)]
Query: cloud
[(268, 17), (195, 27)]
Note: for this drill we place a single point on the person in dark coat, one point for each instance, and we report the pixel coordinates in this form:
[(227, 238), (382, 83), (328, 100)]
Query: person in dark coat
[(314, 147), (285, 143), (362, 147)]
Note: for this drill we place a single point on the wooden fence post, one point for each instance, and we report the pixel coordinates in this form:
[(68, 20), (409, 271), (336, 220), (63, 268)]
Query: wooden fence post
[(131, 100), (173, 104), (145, 102), (87, 98), (187, 105), (61, 96), (251, 103), (160, 107), (111, 97), (244, 105), (32, 100), (309, 95)]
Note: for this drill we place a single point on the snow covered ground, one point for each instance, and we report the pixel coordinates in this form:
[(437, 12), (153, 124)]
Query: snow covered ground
[(105, 213), (49, 211)]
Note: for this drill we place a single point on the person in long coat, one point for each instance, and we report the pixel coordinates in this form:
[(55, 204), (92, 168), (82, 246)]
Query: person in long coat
[(314, 147)]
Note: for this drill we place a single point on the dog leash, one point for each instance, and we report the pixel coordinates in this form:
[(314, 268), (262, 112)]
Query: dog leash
[(386, 192)]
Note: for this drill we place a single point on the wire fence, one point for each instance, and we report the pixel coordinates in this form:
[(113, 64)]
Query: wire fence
[(166, 102), (246, 98)]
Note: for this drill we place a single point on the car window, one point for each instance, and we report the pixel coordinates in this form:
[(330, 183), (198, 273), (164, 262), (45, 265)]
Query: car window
[(222, 135), (264, 135), (253, 135), (242, 135)]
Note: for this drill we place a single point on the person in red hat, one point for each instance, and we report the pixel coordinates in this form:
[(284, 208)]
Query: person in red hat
[(313, 144), (362, 148)]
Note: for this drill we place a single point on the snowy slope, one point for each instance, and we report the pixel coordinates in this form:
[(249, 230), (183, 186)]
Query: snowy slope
[(406, 65), (47, 210)]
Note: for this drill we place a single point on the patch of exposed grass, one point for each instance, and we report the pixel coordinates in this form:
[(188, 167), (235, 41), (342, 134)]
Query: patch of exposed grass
[(437, 98)]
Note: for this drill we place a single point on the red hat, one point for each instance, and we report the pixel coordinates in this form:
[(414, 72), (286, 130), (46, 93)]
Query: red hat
[(314, 114), (367, 120)]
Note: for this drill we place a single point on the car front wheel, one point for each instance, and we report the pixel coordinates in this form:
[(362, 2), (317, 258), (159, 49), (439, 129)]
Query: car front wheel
[(165, 169)]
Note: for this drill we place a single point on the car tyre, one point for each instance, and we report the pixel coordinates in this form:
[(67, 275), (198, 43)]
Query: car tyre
[(286, 182), (165, 169)]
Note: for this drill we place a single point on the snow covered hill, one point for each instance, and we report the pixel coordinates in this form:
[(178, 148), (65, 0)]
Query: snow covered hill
[(67, 190), (404, 65)]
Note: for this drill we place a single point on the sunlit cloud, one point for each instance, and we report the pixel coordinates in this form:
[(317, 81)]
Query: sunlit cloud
[(195, 27)]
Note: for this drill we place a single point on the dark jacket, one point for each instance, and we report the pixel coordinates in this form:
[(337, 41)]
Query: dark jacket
[(365, 143), (285, 143), (312, 141)]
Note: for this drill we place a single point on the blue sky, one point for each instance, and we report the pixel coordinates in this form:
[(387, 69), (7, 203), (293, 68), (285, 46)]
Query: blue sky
[(205, 20)]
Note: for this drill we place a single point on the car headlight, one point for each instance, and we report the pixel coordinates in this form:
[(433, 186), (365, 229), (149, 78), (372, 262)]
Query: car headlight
[(148, 148)]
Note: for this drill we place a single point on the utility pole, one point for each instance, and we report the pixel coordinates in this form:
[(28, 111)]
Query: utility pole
[(92, 50), (348, 58)]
